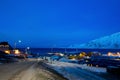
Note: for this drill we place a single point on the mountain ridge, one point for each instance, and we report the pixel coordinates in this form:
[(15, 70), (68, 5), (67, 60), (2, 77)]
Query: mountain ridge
[(112, 41)]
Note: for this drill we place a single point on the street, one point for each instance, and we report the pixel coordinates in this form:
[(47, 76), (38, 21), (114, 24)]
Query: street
[(26, 70)]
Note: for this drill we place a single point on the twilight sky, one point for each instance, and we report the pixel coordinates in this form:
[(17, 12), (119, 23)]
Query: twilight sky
[(57, 23)]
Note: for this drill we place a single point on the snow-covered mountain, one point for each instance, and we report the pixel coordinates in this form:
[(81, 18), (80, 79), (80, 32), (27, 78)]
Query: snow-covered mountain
[(112, 41)]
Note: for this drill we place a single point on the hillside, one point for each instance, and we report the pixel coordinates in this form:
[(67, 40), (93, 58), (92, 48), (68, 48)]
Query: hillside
[(112, 41)]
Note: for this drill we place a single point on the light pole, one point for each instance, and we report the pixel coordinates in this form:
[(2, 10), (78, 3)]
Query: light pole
[(27, 49), (15, 44)]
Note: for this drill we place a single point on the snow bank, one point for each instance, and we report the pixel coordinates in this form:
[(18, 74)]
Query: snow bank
[(77, 72)]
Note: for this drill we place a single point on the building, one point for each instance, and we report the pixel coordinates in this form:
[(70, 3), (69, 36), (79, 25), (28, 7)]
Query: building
[(5, 47)]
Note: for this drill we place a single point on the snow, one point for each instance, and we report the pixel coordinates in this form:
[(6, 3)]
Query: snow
[(64, 60), (76, 71), (67, 60), (112, 41)]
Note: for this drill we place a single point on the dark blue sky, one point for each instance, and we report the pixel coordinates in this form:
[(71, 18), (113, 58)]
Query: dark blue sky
[(60, 23)]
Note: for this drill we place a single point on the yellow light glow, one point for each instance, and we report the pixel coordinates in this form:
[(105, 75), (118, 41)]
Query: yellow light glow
[(17, 52), (73, 59), (7, 51), (110, 54)]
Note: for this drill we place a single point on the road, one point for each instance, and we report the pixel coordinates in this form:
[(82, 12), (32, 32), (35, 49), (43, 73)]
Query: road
[(27, 70)]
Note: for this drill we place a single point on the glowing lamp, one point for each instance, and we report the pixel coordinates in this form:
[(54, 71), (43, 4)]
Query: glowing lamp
[(17, 52), (73, 59), (109, 54), (7, 51)]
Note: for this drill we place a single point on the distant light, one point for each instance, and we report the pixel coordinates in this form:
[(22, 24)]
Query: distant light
[(7, 51), (75, 55), (86, 61), (50, 53), (17, 52), (28, 47), (96, 65), (118, 54), (19, 41), (110, 54), (87, 57), (61, 54), (73, 59)]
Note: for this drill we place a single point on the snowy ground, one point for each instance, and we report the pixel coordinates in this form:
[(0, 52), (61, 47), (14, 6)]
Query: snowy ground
[(76, 71), (30, 69)]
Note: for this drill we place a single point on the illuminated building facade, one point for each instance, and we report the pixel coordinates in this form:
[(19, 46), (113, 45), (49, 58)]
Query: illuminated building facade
[(5, 47)]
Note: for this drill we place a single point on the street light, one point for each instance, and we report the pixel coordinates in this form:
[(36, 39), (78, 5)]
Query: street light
[(27, 50), (15, 44), (19, 41)]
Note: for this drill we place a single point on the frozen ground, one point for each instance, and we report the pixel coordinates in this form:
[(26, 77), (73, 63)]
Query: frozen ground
[(27, 70), (77, 72)]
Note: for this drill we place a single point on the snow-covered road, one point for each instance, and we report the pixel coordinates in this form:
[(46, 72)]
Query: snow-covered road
[(30, 69)]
